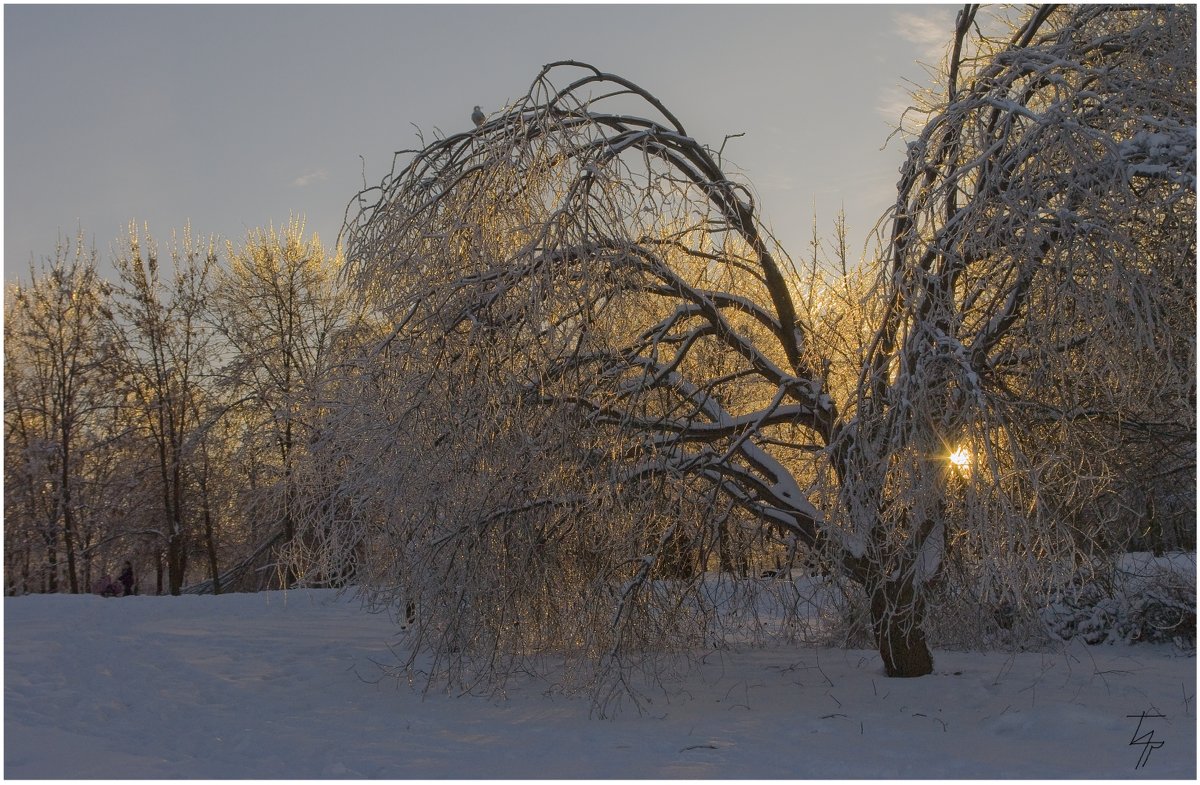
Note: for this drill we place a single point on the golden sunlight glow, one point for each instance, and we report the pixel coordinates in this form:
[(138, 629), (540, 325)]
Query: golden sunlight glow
[(960, 459)]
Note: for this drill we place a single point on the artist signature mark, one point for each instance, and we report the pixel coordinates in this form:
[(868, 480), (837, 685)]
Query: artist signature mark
[(1145, 739)]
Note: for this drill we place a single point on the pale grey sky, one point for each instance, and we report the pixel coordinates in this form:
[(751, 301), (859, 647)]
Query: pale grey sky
[(235, 117)]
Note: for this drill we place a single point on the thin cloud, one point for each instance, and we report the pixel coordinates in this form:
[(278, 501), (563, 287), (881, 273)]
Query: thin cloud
[(927, 32), (306, 180), (776, 181), (893, 101)]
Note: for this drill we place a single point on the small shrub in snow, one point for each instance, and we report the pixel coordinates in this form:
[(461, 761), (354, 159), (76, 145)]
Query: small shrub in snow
[(1151, 606)]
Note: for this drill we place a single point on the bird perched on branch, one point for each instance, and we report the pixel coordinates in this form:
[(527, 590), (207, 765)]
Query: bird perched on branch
[(477, 117)]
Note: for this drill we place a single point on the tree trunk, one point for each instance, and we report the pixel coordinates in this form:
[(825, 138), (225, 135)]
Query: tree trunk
[(897, 612), (210, 540), (51, 583), (69, 541), (68, 518), (176, 563)]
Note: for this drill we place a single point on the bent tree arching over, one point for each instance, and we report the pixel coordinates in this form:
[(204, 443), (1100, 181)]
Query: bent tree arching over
[(595, 366)]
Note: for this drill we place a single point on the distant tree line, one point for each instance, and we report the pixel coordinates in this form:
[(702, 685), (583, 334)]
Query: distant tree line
[(158, 417)]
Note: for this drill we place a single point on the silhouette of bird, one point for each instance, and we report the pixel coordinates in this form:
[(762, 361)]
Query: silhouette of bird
[(477, 117)]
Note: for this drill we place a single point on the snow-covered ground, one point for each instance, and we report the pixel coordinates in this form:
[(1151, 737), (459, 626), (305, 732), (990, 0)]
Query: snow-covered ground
[(281, 685)]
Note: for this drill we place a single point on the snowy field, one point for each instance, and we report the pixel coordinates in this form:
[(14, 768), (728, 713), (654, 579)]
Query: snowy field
[(285, 686)]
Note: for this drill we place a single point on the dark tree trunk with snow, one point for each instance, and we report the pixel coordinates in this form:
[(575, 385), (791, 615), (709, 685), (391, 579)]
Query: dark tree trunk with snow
[(897, 615)]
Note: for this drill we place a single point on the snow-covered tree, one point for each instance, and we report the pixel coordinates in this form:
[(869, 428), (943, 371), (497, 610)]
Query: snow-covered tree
[(1040, 304), (280, 309), (601, 372), (163, 351), (55, 388)]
